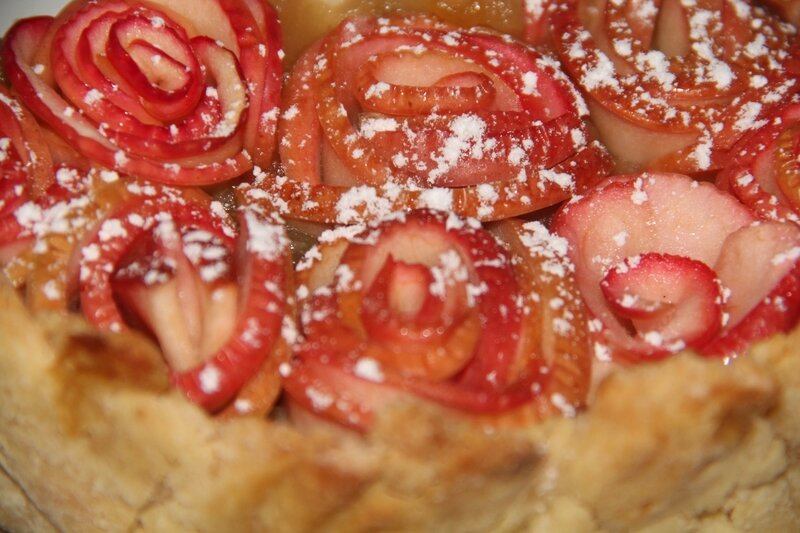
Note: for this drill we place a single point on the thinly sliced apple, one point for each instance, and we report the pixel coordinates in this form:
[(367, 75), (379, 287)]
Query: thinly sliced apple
[(672, 302), (407, 104), (763, 169), (672, 87), (215, 306), (761, 266), (428, 304), (142, 89), (672, 232)]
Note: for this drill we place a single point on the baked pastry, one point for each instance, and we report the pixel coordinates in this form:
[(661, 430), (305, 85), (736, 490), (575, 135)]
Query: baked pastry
[(627, 361), (96, 441)]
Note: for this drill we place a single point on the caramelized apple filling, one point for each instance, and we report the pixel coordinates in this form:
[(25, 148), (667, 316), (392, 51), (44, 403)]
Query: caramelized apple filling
[(462, 242)]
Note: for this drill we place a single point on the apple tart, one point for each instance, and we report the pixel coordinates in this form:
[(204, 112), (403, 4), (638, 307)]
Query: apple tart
[(400, 266)]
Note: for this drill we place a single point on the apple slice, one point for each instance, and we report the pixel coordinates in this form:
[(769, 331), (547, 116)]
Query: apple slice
[(651, 216), (788, 9), (215, 306), (672, 302), (26, 171), (336, 394), (422, 114), (465, 293), (761, 265), (674, 87), (191, 316), (43, 208), (740, 182), (23, 147), (763, 169), (430, 305), (305, 202), (151, 88), (555, 332), (14, 191)]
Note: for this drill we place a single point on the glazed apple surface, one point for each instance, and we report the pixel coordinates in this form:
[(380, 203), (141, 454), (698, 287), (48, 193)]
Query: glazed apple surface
[(431, 305), (154, 90), (671, 85), (499, 336), (380, 117), (666, 263), (402, 112)]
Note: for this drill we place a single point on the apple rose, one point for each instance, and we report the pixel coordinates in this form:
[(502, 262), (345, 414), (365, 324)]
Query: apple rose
[(170, 263), (41, 232), (387, 114), (763, 172), (672, 85), (177, 92), (428, 305), (42, 209), (666, 263)]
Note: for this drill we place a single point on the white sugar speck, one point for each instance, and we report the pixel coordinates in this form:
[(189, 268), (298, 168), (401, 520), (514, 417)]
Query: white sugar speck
[(369, 369), (210, 378)]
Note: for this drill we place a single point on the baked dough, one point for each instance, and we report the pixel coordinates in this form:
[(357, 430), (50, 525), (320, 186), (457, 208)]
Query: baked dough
[(93, 439)]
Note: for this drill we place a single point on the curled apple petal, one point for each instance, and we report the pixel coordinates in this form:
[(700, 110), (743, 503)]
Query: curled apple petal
[(664, 262), (151, 90), (787, 170), (672, 302), (763, 172), (556, 326), (26, 176), (763, 262), (256, 348), (743, 184), (433, 306), (54, 224), (672, 86), (173, 266), (537, 21), (26, 171), (419, 114)]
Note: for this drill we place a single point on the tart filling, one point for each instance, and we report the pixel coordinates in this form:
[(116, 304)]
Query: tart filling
[(425, 132)]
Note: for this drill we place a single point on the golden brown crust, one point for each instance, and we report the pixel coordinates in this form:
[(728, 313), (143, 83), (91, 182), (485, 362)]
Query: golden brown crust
[(92, 439), (678, 440), (148, 460), (18, 512)]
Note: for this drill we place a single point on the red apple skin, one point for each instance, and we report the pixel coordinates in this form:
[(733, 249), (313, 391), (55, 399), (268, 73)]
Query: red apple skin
[(230, 349), (397, 109), (131, 89), (765, 263), (779, 312), (762, 171), (666, 213), (657, 103), (487, 356), (676, 296)]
